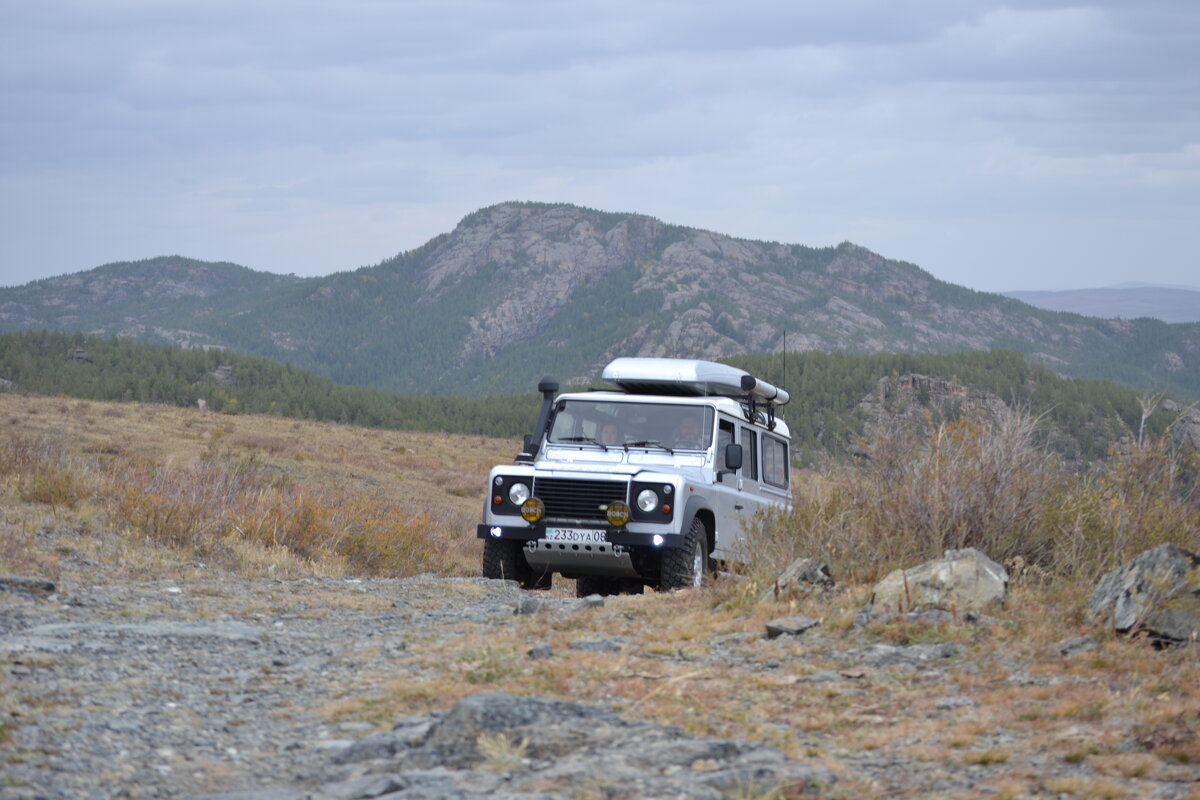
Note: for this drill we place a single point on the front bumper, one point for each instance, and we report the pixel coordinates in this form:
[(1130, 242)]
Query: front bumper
[(526, 533)]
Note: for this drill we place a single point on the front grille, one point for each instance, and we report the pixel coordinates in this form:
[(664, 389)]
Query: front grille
[(566, 498)]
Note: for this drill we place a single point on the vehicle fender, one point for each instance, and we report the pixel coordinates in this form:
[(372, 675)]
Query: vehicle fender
[(696, 506)]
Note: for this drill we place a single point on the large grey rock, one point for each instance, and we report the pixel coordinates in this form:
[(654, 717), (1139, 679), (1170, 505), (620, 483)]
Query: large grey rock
[(801, 576), (562, 746), (34, 587), (451, 741), (961, 581), (1158, 592), (1186, 430)]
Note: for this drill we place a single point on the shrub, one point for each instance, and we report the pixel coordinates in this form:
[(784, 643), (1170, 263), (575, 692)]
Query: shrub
[(43, 470), (984, 483), (203, 505)]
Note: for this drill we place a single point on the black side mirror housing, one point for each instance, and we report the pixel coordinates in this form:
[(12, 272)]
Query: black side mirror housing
[(733, 457), (733, 461)]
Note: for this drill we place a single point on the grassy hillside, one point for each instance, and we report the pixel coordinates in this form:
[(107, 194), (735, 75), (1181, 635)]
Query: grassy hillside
[(99, 368)]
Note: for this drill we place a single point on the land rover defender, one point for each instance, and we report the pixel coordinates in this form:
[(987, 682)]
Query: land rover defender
[(644, 485)]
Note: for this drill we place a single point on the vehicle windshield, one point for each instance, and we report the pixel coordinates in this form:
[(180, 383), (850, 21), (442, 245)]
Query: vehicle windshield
[(623, 425)]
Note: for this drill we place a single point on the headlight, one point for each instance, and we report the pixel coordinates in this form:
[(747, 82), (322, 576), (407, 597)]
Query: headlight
[(647, 500), (518, 493)]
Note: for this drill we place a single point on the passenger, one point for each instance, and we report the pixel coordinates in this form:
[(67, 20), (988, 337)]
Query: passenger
[(610, 434)]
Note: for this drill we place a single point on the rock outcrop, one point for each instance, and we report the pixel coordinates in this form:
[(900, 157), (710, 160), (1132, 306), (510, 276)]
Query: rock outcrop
[(1157, 593), (500, 745), (924, 400), (800, 577), (963, 580)]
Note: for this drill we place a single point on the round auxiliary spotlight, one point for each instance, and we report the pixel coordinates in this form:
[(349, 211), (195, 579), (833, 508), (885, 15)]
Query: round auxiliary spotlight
[(618, 513), (532, 510)]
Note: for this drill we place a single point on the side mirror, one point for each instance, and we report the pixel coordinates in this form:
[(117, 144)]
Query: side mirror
[(733, 457)]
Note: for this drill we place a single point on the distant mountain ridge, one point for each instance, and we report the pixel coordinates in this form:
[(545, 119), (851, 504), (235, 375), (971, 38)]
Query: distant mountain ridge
[(518, 290), (1166, 303)]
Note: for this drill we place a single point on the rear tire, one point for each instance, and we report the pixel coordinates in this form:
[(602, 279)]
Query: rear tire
[(686, 566), (587, 585)]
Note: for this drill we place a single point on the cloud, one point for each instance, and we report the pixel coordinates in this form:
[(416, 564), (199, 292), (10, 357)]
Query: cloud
[(264, 132)]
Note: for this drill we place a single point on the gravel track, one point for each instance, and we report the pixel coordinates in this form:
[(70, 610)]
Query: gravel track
[(223, 688)]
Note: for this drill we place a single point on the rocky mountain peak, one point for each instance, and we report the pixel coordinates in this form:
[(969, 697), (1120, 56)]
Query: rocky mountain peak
[(519, 289)]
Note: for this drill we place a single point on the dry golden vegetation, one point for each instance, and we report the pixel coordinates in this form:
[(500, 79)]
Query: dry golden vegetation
[(249, 494), (986, 484), (154, 490)]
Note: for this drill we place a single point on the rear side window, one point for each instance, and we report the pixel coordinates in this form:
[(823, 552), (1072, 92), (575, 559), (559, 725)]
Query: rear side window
[(775, 462), (750, 453)]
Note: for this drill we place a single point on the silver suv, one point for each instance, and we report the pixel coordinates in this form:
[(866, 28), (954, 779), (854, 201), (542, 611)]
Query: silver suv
[(644, 485)]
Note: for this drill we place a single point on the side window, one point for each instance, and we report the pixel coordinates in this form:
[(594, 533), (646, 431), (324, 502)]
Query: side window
[(775, 462), (750, 453), (724, 437)]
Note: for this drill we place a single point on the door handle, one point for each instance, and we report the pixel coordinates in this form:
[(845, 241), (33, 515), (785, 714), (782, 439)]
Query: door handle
[(738, 507)]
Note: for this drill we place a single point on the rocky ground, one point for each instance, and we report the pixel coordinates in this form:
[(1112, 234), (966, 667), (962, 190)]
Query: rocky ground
[(275, 690)]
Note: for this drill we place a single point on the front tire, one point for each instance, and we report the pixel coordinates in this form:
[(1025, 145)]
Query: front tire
[(686, 566), (503, 560)]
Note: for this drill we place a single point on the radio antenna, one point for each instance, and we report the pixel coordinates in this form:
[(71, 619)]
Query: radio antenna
[(783, 382)]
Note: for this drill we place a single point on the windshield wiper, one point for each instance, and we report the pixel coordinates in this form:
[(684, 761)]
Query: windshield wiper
[(583, 440), (650, 443)]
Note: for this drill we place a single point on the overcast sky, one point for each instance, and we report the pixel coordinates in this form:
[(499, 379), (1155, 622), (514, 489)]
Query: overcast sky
[(1020, 145)]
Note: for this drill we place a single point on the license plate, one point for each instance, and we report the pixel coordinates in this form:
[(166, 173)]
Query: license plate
[(575, 535)]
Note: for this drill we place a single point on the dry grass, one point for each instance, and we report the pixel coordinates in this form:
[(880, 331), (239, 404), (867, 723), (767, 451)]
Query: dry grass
[(255, 495), (985, 483)]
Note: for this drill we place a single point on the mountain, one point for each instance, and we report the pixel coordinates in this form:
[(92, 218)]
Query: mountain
[(1166, 303), (518, 290)]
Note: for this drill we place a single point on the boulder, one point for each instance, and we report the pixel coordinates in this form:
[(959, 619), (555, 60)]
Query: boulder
[(1186, 430), (791, 626), (961, 581), (1158, 593), (33, 587), (801, 576)]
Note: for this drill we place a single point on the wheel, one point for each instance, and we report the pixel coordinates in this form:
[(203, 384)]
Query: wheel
[(687, 565), (539, 580), (503, 560), (586, 585)]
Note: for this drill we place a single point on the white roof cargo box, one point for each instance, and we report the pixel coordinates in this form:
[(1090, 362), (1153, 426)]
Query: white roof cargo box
[(684, 376)]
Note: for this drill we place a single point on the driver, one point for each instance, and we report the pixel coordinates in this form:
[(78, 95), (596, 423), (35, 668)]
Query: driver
[(610, 434), (688, 433)]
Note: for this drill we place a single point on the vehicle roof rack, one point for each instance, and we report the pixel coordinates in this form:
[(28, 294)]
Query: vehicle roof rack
[(690, 377)]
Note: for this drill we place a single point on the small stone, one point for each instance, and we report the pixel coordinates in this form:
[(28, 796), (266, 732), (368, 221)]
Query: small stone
[(822, 676), (597, 645), (951, 703), (529, 605), (792, 626), (541, 651), (1074, 646)]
